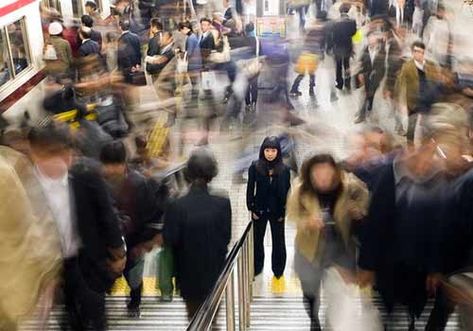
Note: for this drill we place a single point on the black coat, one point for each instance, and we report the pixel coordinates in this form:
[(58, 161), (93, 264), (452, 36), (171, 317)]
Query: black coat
[(340, 36), (373, 72), (154, 48), (97, 225), (207, 45), (129, 51), (135, 198), (268, 197), (198, 228), (401, 250), (89, 47)]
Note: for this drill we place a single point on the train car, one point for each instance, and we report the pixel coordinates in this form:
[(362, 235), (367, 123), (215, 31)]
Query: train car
[(21, 50)]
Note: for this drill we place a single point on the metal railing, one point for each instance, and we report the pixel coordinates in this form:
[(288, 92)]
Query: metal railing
[(241, 259)]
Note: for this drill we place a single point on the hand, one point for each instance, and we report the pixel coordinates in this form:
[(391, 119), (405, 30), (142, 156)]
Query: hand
[(387, 94), (254, 216), (433, 282), (361, 79), (314, 224), (281, 219), (366, 278)]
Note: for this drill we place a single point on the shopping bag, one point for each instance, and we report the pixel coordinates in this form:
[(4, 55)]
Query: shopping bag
[(306, 63), (208, 80), (182, 62)]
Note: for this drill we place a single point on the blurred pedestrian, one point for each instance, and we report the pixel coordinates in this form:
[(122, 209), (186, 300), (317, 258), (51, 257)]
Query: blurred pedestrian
[(326, 204), (57, 53), (129, 51), (198, 227), (88, 21)]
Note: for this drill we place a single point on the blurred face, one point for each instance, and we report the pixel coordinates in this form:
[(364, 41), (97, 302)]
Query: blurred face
[(185, 30), (205, 26), (270, 154), (114, 170), (166, 39), (372, 40), (53, 164), (418, 54), (323, 177)]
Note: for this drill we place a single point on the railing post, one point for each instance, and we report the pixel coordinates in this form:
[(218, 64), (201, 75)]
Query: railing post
[(247, 280), (230, 303), (251, 260), (241, 295)]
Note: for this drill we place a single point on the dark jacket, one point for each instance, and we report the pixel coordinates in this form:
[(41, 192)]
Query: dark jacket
[(207, 45), (135, 199), (265, 195), (340, 36), (154, 48), (89, 47), (129, 51), (194, 55), (373, 72), (97, 225), (198, 228)]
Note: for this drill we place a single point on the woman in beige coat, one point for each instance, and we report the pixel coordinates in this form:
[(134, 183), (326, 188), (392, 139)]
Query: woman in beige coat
[(325, 203)]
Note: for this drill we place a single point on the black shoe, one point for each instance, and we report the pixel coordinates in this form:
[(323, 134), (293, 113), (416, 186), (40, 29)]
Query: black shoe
[(315, 325), (412, 324), (134, 310), (311, 92)]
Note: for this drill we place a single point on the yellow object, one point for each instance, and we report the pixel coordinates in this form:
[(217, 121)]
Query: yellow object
[(278, 285), (306, 63), (357, 37), (158, 137)]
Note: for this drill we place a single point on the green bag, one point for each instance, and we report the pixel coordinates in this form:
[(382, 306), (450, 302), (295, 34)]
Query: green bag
[(165, 271)]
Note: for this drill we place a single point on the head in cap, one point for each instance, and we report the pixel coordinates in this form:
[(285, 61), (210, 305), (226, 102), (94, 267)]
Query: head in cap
[(55, 29)]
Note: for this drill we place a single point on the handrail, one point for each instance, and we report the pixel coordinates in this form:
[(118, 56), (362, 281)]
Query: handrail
[(241, 255)]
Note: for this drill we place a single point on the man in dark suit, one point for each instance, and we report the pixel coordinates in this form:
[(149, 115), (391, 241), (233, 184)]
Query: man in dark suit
[(207, 40), (92, 244), (88, 47), (154, 47), (341, 45), (198, 228), (95, 35), (373, 68), (129, 51)]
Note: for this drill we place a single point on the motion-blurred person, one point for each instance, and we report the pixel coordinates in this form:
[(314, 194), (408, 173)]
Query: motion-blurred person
[(31, 249), (134, 197), (413, 84), (88, 46), (194, 61), (92, 10), (95, 35), (92, 245), (399, 243), (377, 7), (373, 68), (326, 204), (339, 43), (129, 51), (313, 53), (301, 7), (198, 227), (266, 192), (251, 96), (110, 51), (154, 47), (57, 54), (438, 38)]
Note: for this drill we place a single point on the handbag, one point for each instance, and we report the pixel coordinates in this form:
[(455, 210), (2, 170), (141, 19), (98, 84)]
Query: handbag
[(208, 80), (223, 56), (137, 78), (251, 68), (182, 64)]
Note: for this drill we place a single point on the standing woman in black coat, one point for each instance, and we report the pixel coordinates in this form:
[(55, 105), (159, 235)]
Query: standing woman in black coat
[(198, 228), (268, 185)]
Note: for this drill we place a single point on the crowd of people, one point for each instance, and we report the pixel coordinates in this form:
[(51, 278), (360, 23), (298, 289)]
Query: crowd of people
[(83, 203)]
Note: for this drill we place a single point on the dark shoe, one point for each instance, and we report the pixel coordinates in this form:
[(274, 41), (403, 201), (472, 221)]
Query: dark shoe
[(134, 310), (315, 325), (311, 92), (166, 298), (412, 324)]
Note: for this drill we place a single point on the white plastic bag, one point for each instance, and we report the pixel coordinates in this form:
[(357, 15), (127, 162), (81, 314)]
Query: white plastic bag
[(50, 53), (208, 80)]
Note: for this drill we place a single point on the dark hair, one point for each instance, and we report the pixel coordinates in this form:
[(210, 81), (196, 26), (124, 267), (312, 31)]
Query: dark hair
[(53, 137), (250, 27), (345, 8), (156, 23), (124, 25), (185, 24), (87, 20), (111, 36), (418, 44), (308, 165), (205, 19), (321, 15), (201, 167), (91, 4), (113, 152)]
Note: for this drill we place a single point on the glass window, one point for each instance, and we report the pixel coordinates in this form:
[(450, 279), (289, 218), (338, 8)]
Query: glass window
[(4, 59), (18, 46), (77, 8), (53, 4)]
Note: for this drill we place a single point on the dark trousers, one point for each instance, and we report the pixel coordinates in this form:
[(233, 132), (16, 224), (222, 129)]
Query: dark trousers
[(278, 256), (85, 308), (252, 92), (443, 308), (411, 126), (299, 78), (134, 280), (342, 71)]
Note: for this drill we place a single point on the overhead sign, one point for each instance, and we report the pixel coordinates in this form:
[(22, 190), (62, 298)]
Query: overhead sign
[(271, 26)]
